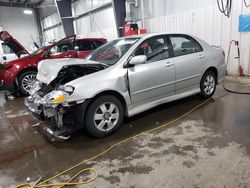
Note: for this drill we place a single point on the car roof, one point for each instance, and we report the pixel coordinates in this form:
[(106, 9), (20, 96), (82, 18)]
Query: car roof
[(154, 34), (90, 39)]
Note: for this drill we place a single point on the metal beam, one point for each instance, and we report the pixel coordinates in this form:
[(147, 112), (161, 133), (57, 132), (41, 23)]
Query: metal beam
[(65, 12), (103, 7), (20, 5), (52, 27), (120, 15)]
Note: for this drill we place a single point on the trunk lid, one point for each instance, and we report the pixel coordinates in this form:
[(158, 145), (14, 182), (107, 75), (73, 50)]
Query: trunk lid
[(13, 44)]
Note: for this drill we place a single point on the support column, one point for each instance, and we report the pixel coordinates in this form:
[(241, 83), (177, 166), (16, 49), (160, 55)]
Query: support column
[(120, 14), (39, 26), (65, 12)]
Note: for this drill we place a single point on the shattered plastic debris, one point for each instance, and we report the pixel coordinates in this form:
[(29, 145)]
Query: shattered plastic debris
[(36, 125)]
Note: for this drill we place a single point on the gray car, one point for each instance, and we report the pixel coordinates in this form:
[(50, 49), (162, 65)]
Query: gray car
[(122, 78)]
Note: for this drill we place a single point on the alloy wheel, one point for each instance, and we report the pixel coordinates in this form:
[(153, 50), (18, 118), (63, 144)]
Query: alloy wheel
[(106, 116), (209, 84), (28, 81)]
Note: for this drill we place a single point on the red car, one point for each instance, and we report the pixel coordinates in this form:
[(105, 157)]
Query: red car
[(20, 74)]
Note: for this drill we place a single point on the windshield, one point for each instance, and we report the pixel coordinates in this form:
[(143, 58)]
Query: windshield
[(111, 52), (37, 51)]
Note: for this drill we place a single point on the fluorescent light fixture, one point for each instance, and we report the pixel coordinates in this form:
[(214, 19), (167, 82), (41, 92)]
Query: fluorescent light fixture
[(27, 11)]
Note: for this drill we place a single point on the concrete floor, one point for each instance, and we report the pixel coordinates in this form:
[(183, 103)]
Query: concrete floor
[(208, 148)]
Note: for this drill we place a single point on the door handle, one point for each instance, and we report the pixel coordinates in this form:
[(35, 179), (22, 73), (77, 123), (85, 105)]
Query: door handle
[(201, 57), (169, 64), (4, 58)]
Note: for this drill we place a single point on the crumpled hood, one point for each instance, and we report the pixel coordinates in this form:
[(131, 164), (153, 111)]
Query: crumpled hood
[(49, 69)]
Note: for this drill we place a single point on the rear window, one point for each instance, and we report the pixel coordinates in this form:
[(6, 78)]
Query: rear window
[(183, 45)]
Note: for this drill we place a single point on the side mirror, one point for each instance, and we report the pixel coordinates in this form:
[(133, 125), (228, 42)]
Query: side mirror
[(76, 48), (139, 59)]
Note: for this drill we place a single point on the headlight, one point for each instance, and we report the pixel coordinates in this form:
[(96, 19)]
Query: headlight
[(55, 97)]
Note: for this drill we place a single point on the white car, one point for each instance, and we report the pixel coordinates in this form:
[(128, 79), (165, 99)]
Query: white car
[(122, 78), (6, 54)]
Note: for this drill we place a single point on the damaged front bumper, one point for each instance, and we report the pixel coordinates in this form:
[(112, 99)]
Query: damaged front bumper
[(65, 119), (34, 109)]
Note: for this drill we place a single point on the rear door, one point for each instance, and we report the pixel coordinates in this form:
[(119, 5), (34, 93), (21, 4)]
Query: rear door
[(155, 79), (189, 60)]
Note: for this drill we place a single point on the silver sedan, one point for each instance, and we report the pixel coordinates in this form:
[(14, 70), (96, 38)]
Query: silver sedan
[(122, 78)]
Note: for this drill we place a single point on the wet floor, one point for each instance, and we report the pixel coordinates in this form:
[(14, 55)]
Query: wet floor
[(208, 148)]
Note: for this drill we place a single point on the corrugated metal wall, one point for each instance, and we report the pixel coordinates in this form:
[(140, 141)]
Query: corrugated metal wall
[(54, 33), (209, 24), (97, 24)]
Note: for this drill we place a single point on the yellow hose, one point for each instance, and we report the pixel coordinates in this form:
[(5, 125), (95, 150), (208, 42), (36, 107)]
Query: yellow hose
[(69, 182)]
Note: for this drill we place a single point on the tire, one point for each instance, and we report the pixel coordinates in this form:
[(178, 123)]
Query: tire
[(25, 81), (208, 85), (104, 116)]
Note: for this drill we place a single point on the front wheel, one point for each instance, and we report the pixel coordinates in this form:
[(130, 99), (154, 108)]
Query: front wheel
[(26, 81), (104, 116), (208, 85)]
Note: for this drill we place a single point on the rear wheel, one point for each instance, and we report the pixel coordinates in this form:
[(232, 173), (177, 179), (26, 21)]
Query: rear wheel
[(104, 116), (26, 81), (208, 85)]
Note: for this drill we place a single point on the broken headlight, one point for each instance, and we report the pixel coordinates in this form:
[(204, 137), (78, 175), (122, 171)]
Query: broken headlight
[(54, 98)]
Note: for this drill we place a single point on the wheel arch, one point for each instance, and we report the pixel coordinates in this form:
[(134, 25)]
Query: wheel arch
[(214, 70), (115, 94), (25, 70)]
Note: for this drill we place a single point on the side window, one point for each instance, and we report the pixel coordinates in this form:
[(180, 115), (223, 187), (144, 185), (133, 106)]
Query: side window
[(154, 48), (54, 50), (6, 49), (184, 45), (84, 45), (63, 47), (96, 44)]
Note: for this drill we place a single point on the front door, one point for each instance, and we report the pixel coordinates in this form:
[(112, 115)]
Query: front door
[(61, 50), (155, 79)]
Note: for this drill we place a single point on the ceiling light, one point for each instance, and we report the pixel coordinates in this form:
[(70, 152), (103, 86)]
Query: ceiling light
[(27, 11)]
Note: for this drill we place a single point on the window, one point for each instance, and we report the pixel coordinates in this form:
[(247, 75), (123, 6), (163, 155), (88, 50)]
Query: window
[(84, 45), (154, 48), (96, 44), (183, 45), (6, 49), (110, 53), (62, 47)]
